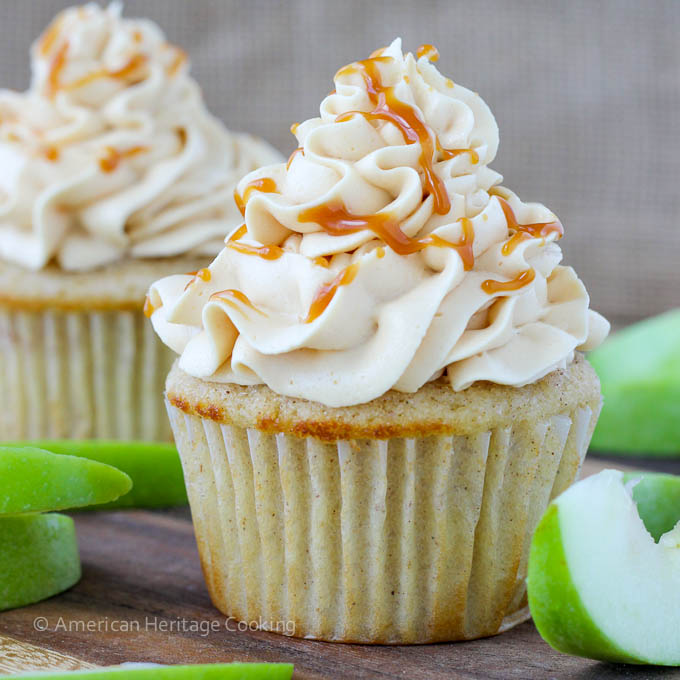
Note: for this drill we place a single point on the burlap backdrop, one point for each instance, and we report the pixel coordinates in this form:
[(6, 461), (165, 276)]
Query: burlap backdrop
[(586, 93)]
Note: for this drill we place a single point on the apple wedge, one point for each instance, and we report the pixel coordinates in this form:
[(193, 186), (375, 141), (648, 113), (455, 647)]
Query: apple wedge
[(599, 585), (639, 369), (38, 558), (155, 468), (218, 671), (34, 480)]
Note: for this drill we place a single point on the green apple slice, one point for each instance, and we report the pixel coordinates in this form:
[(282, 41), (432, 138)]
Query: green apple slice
[(38, 558), (155, 468), (34, 480), (639, 369), (218, 671), (599, 585)]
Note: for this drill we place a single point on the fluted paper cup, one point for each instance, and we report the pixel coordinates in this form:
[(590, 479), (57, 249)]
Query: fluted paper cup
[(76, 375), (78, 359), (398, 540)]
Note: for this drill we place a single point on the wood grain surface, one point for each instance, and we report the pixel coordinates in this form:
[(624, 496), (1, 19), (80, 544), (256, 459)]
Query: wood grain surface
[(142, 598)]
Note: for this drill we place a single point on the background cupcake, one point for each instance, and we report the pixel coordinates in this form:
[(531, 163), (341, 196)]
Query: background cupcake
[(379, 388), (113, 173)]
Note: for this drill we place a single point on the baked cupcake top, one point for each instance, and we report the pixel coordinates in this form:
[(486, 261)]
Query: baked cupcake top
[(111, 151), (383, 254)]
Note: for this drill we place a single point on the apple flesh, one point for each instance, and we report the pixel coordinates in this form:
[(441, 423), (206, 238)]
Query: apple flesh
[(38, 558), (155, 468), (639, 369), (599, 585), (221, 671), (34, 480)]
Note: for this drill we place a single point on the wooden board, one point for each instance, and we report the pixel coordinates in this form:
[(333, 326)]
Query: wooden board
[(142, 598)]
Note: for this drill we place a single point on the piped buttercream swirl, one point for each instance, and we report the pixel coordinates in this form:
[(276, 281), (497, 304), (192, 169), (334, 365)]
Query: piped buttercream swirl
[(382, 255), (111, 151)]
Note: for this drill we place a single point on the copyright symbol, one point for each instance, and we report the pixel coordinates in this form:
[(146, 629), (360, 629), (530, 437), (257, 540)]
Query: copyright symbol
[(41, 623)]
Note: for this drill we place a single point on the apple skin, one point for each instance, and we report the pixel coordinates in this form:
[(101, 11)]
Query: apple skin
[(221, 671), (38, 558), (639, 370), (34, 480), (155, 468), (560, 613), (658, 500), (556, 606)]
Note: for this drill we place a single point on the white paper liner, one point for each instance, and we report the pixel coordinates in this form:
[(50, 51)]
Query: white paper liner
[(81, 375), (380, 541)]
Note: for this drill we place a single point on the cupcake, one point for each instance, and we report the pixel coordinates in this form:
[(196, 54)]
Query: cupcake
[(113, 174), (380, 384)]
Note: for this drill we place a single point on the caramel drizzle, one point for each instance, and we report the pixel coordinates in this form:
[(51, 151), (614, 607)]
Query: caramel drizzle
[(522, 279), (525, 231), (56, 67), (149, 309), (52, 153), (327, 292), (50, 36), (265, 252), (337, 221), (203, 274), (429, 51), (231, 297), (180, 58), (391, 109), (297, 151), (54, 83), (112, 158), (266, 185)]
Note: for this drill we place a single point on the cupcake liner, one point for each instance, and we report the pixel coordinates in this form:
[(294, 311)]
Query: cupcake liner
[(76, 375), (381, 541)]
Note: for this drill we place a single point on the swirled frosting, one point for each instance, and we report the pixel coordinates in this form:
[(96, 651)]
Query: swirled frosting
[(111, 151), (382, 255)]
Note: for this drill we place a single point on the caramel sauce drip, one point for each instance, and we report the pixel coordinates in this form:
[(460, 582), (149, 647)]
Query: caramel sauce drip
[(265, 252), (50, 36), (463, 247), (232, 296), (239, 233), (264, 184), (149, 309), (391, 109), (334, 219), (203, 274), (127, 72), (326, 293), (56, 67), (113, 157), (180, 58), (452, 153), (297, 151), (525, 231), (429, 51), (54, 84), (522, 279), (52, 153)]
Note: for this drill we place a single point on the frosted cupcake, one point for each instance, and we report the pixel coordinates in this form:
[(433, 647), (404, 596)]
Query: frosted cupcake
[(379, 386), (113, 173)]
